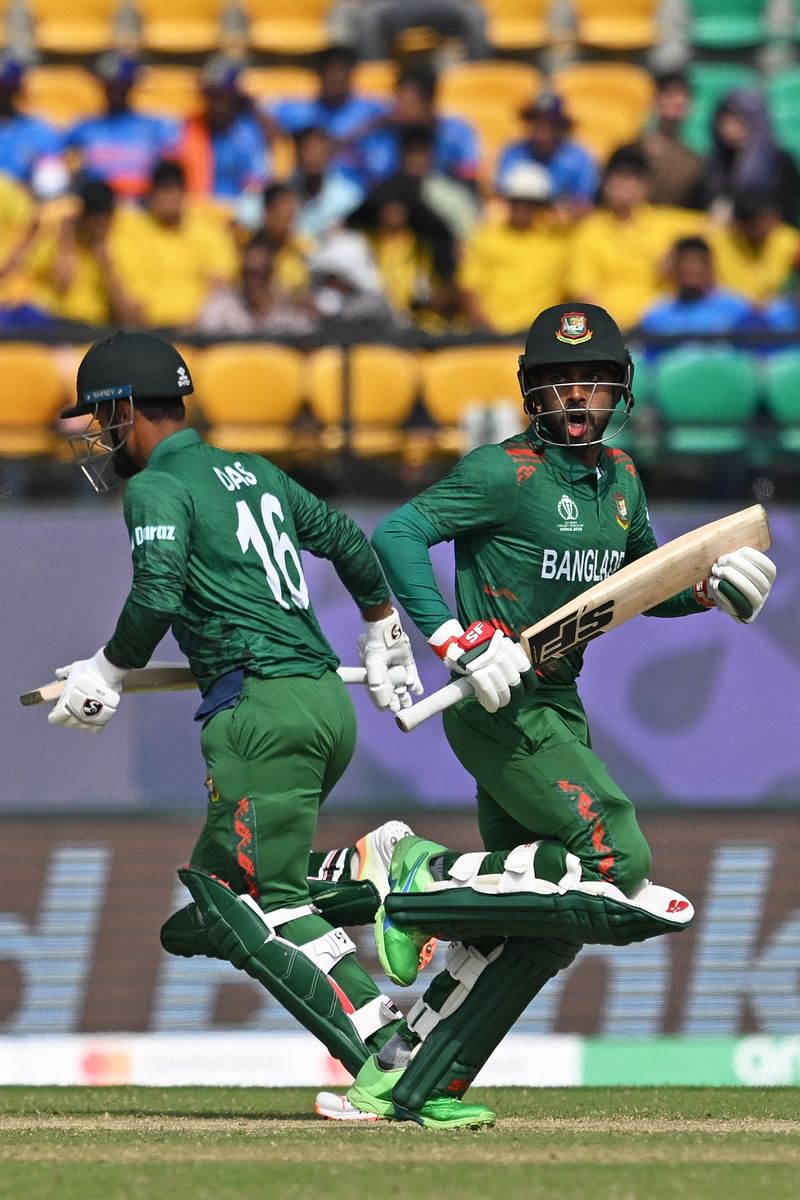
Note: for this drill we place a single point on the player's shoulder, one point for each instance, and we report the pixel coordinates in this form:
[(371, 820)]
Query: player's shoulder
[(521, 456), (620, 462)]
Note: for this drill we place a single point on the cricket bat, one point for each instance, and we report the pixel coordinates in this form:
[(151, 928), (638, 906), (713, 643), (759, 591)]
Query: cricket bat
[(176, 677), (632, 590)]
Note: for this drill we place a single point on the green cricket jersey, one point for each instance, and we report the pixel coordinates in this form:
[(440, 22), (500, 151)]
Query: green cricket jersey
[(532, 528), (216, 539)]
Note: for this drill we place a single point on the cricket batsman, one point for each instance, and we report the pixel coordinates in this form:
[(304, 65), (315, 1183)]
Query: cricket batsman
[(216, 538), (534, 520)]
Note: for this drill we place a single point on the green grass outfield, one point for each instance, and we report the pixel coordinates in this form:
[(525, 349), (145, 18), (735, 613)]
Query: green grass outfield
[(129, 1143)]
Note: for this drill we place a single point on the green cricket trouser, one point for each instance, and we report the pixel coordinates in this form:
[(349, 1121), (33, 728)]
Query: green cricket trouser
[(272, 760), (538, 777)]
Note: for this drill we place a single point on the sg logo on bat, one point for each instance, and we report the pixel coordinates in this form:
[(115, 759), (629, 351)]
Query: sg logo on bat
[(570, 632)]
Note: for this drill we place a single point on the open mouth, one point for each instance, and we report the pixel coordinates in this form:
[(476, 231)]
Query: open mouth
[(577, 422)]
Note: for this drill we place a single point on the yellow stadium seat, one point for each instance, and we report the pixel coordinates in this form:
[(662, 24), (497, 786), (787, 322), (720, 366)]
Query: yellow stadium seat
[(181, 26), (496, 125), (287, 26), (625, 25), (27, 426), (517, 24), (507, 84), (170, 91), (375, 78), (383, 389), (456, 380), (609, 102), (76, 27), (249, 395), (267, 84), (61, 94)]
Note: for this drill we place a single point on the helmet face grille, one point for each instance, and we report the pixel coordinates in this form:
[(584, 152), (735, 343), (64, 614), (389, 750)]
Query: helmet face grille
[(95, 446)]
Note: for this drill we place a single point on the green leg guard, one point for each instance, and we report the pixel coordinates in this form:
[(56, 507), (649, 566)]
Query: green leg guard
[(467, 1011), (240, 933), (352, 903), (585, 914), (185, 934)]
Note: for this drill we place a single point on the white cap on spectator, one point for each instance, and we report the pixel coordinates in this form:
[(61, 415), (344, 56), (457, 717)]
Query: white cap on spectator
[(347, 256), (527, 181)]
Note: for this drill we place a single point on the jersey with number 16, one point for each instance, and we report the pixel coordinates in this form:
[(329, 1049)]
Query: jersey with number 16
[(216, 540)]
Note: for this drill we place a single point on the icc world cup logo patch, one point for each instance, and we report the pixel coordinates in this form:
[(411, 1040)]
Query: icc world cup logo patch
[(574, 328)]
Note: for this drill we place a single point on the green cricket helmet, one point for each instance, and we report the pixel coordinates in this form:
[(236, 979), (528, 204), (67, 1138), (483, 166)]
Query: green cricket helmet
[(139, 368), (566, 334)]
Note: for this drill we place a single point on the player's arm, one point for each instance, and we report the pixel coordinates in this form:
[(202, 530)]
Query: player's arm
[(479, 493), (328, 533), (158, 516)]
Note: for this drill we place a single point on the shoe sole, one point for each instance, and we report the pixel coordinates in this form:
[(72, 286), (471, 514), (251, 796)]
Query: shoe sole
[(405, 1114), (383, 957), (332, 1107)]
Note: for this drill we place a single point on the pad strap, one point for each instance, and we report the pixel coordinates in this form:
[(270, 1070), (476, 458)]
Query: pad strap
[(374, 1015)]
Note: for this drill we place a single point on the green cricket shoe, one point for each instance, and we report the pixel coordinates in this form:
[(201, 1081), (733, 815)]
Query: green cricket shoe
[(370, 1099), (401, 948)]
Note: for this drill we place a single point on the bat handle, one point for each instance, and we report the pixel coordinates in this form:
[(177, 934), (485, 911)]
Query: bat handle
[(355, 675), (409, 718)]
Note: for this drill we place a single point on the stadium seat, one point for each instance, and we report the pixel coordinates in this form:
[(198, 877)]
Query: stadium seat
[(181, 26), (61, 94), (706, 398), (517, 24), (496, 125), (27, 425), (727, 24), (249, 395), (383, 384), (268, 84), (287, 26), (457, 381), (375, 78), (609, 102), (709, 82), (783, 99), (169, 91), (625, 26), (510, 84), (782, 398), (77, 27)]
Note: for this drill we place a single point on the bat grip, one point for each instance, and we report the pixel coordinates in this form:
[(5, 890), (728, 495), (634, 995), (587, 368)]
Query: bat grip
[(409, 718)]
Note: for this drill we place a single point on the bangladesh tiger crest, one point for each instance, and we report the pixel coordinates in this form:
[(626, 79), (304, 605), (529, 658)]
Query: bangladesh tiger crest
[(574, 328), (623, 520)]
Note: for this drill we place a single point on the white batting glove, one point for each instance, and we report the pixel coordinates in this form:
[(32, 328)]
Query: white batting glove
[(493, 663), (384, 645), (91, 694), (739, 584)]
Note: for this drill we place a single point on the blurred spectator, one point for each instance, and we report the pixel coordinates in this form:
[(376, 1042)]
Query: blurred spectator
[(413, 249), (325, 194), (696, 305), (675, 169), (572, 169), (379, 22), (121, 147), (455, 144), (279, 226), (512, 269), (31, 151), (257, 305), (745, 155), (336, 108), (756, 253), (456, 203), (346, 283), (172, 255), (78, 265), (618, 252), (782, 315), (223, 150)]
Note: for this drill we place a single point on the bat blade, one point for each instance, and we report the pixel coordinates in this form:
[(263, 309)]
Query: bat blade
[(155, 677), (644, 583)]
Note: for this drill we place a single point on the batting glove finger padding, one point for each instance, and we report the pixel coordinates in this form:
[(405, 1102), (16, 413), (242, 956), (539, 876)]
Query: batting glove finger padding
[(91, 694), (383, 645), (493, 663), (740, 582)]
